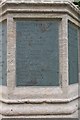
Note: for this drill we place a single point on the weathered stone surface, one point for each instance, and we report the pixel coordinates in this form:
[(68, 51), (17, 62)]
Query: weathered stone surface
[(39, 100)]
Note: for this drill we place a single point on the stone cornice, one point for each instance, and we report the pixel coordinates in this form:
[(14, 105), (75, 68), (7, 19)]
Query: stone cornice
[(55, 7), (51, 3)]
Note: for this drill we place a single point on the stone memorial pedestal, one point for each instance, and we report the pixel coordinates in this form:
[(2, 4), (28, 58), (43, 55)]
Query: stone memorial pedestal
[(39, 59)]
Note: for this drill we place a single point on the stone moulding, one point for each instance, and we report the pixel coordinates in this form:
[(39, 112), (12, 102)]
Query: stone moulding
[(35, 7), (39, 109)]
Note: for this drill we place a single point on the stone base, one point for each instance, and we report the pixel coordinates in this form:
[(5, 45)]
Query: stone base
[(43, 110), (74, 115)]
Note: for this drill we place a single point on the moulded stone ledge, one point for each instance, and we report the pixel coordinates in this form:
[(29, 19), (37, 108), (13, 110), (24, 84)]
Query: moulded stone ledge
[(39, 109)]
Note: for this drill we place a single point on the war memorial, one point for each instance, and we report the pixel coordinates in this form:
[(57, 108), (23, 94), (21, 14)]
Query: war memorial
[(39, 59)]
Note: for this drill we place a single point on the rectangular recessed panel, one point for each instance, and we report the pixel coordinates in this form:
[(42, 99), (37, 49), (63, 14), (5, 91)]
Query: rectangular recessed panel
[(37, 53), (3, 53), (73, 53)]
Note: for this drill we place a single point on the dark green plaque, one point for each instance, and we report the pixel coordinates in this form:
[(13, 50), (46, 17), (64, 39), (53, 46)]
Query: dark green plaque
[(3, 53), (37, 53), (73, 53)]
